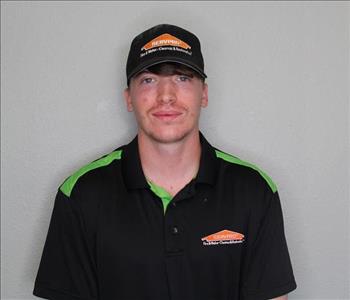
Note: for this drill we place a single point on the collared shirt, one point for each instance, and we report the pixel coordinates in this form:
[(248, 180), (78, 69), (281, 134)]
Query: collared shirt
[(220, 238)]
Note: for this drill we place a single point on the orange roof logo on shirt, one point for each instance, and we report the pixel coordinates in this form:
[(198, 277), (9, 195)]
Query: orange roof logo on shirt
[(165, 39), (223, 237)]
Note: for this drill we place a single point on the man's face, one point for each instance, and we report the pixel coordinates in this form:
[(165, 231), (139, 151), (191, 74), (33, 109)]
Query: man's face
[(166, 107)]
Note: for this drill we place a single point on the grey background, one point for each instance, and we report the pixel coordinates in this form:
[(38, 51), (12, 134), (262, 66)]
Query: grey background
[(278, 97)]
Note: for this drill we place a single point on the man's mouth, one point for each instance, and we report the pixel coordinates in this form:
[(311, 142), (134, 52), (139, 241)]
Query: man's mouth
[(166, 115)]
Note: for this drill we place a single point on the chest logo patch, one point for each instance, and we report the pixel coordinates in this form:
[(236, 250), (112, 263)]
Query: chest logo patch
[(223, 237)]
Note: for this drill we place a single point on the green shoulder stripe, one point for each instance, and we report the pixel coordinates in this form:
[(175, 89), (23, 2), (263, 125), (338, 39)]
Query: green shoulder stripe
[(236, 160), (68, 185)]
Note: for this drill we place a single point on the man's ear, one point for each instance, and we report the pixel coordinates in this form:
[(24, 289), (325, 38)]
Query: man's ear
[(127, 99), (204, 102)]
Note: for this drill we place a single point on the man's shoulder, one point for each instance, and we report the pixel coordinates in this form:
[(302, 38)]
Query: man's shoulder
[(91, 171), (244, 168)]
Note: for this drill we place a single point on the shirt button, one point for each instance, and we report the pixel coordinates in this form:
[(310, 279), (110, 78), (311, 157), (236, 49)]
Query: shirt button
[(173, 204), (175, 230)]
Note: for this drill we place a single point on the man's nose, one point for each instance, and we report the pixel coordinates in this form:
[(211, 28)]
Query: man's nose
[(166, 91)]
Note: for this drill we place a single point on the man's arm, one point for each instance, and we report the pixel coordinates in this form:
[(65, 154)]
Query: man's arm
[(285, 297), (67, 266), (268, 247)]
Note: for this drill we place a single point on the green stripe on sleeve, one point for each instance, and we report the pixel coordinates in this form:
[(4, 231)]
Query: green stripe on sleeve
[(236, 160), (68, 185)]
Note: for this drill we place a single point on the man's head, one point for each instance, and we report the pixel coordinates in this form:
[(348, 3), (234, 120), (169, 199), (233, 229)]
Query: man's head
[(166, 91)]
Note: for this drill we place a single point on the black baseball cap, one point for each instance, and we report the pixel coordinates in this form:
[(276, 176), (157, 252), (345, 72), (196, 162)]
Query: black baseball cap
[(164, 43)]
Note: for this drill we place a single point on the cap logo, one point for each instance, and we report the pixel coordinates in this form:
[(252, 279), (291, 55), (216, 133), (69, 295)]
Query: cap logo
[(223, 237), (165, 39)]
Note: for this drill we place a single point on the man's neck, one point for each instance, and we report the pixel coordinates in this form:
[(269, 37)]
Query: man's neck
[(170, 165)]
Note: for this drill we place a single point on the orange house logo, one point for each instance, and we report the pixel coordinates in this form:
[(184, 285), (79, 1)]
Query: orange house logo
[(223, 237), (165, 39)]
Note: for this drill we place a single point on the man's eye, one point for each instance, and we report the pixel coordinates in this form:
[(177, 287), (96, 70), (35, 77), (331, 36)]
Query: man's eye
[(147, 80), (183, 78)]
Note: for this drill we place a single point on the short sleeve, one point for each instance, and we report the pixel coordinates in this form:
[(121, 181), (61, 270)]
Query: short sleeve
[(67, 269), (267, 268)]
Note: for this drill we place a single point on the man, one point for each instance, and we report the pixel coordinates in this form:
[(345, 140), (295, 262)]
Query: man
[(166, 216)]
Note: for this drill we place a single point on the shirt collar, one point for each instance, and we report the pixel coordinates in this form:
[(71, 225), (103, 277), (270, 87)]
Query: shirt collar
[(209, 164), (134, 177), (131, 166)]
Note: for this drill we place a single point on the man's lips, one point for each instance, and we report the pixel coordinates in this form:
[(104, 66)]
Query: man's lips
[(166, 115)]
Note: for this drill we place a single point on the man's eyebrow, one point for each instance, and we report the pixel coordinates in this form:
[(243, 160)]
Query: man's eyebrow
[(142, 73)]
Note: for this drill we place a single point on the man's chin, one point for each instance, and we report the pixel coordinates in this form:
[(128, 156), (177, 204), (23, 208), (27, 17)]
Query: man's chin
[(168, 137)]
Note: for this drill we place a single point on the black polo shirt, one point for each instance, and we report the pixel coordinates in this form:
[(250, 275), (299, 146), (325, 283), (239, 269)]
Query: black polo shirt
[(220, 238)]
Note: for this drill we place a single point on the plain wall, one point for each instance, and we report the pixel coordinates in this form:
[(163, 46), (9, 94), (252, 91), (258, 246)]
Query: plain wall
[(278, 75)]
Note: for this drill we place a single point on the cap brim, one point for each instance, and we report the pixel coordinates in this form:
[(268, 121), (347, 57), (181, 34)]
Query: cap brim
[(159, 60)]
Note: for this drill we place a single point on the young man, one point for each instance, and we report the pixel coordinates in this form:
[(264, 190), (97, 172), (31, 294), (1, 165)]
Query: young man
[(166, 216)]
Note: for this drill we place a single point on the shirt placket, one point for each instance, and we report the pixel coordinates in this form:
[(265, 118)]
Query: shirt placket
[(174, 245)]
